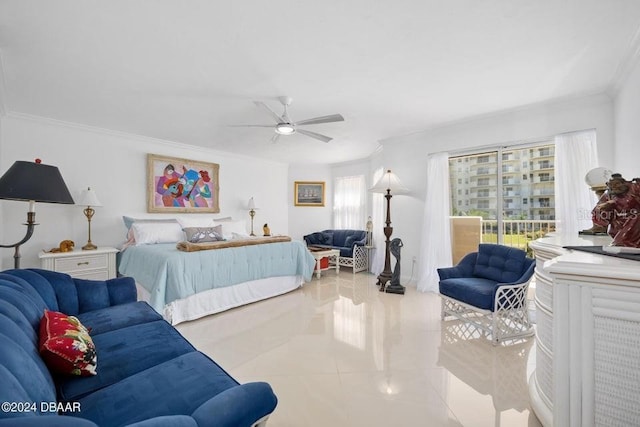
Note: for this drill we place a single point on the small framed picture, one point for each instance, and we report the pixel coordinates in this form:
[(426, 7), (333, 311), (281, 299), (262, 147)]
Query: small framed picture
[(309, 193), (182, 185)]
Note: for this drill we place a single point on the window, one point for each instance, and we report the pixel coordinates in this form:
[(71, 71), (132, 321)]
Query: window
[(505, 188), (349, 202)]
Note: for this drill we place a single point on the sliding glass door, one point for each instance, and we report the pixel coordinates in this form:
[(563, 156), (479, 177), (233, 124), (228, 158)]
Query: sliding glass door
[(511, 188)]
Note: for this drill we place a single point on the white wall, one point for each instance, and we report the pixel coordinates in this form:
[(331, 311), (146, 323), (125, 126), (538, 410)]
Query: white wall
[(308, 219), (114, 165), (627, 125), (407, 155)]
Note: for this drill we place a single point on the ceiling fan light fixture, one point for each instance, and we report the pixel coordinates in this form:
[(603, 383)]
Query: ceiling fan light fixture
[(285, 128)]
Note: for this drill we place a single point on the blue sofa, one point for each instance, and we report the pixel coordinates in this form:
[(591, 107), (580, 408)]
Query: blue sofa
[(488, 288), (147, 373), (350, 243)]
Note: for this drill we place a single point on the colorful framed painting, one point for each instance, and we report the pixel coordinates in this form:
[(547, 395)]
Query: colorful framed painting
[(309, 193), (182, 185)]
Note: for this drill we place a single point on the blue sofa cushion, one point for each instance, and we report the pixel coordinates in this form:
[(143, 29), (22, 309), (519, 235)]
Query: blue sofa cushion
[(92, 295), (350, 241), (22, 377), (40, 284), (23, 303), (192, 380), (499, 263), (327, 238), (124, 352), (474, 291), (119, 316), (65, 291)]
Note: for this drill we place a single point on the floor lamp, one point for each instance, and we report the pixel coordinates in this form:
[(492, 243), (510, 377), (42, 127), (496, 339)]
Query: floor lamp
[(388, 184), (32, 182)]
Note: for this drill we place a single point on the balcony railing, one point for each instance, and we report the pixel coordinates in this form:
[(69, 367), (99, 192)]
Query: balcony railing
[(516, 233)]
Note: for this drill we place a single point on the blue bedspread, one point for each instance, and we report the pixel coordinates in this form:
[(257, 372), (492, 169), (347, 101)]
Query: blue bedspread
[(169, 274)]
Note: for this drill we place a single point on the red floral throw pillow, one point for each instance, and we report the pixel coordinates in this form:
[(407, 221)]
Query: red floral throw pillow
[(65, 345)]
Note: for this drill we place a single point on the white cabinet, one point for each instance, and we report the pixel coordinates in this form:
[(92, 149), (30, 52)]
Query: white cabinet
[(588, 336), (99, 264)]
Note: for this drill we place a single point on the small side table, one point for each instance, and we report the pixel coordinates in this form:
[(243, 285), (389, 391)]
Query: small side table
[(99, 264), (334, 261), (368, 248)]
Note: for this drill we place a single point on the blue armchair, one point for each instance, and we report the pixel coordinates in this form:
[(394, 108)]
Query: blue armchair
[(488, 288)]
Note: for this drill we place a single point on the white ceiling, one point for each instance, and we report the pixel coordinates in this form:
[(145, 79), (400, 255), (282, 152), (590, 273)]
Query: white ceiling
[(185, 70)]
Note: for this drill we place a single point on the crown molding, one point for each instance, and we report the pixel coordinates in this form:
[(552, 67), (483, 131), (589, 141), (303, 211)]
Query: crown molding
[(596, 96), (626, 64), (131, 136)]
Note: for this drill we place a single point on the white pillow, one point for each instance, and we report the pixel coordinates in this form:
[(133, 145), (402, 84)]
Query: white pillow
[(198, 221), (148, 233), (234, 227)]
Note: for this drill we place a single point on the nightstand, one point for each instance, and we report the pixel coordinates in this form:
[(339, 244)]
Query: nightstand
[(99, 264)]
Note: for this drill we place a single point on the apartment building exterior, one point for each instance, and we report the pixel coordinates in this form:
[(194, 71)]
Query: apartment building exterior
[(526, 177)]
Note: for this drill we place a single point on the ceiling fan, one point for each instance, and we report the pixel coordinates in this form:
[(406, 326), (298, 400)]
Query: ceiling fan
[(285, 126)]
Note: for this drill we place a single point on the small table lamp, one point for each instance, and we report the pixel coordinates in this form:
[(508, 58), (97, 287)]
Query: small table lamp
[(597, 179), (389, 183), (252, 213), (32, 182), (88, 198)]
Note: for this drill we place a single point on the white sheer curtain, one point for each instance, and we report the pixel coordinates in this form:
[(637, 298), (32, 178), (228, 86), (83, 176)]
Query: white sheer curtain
[(349, 202), (435, 250), (377, 217), (575, 154)]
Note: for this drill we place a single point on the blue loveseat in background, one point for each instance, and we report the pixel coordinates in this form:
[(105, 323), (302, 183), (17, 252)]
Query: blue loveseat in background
[(147, 373), (350, 243)]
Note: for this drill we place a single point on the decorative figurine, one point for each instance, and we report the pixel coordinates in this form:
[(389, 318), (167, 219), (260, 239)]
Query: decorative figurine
[(369, 228), (619, 209), (65, 246), (266, 231), (394, 285)]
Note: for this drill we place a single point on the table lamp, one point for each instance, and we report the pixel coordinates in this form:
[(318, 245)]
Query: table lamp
[(32, 182), (88, 198), (252, 213)]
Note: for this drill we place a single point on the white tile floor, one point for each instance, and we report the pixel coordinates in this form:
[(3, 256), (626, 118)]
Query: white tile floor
[(340, 353)]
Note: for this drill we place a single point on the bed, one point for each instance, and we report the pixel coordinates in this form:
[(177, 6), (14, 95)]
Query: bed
[(185, 285)]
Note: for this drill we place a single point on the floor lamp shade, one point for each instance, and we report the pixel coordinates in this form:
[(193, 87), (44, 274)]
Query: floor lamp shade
[(29, 181), (389, 182), (32, 182)]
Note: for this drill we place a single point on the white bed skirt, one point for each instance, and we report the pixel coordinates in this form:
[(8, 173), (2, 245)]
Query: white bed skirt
[(221, 299)]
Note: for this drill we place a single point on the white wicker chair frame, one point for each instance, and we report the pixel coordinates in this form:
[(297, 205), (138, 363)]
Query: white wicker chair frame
[(508, 321), (358, 262)]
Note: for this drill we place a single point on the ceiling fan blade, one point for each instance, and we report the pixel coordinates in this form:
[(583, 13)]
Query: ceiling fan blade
[(272, 113), (324, 119), (275, 138), (315, 135)]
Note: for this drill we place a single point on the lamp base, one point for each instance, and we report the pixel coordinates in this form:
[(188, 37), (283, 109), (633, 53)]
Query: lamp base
[(395, 289), (89, 247)]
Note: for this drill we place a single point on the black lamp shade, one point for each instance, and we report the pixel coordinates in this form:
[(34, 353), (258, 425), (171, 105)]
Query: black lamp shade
[(27, 181)]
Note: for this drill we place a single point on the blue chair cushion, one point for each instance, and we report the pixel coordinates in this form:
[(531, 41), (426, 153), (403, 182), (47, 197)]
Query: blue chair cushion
[(474, 291), (499, 263)]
